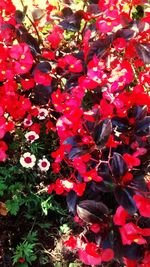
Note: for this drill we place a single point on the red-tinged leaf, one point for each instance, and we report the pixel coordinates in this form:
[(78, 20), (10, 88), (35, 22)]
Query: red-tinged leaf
[(88, 259), (19, 15), (102, 132), (119, 166), (133, 251), (143, 51), (91, 211), (38, 14), (41, 94), (143, 205), (99, 48), (107, 255), (43, 66), (66, 12), (124, 198), (141, 112), (71, 201), (143, 127), (139, 182), (106, 185)]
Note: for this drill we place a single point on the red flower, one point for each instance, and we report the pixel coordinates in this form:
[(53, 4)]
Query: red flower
[(143, 205), (72, 63), (3, 149), (119, 44), (92, 176), (131, 161), (55, 37), (92, 249), (132, 233), (42, 78), (22, 59), (95, 227), (120, 216), (27, 83), (55, 167), (79, 188), (107, 255), (71, 242), (21, 260)]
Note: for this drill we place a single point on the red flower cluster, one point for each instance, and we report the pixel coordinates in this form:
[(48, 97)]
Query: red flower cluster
[(85, 87)]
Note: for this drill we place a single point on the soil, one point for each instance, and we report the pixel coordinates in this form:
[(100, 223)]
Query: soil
[(50, 243)]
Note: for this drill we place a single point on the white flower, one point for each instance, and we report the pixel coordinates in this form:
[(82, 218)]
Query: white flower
[(31, 136), (43, 112), (27, 160), (44, 164)]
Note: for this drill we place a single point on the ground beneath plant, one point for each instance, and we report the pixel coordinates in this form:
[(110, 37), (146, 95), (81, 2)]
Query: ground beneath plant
[(50, 249)]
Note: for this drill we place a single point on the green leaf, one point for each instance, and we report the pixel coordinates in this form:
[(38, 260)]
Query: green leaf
[(14, 204), (3, 187), (24, 264), (32, 237)]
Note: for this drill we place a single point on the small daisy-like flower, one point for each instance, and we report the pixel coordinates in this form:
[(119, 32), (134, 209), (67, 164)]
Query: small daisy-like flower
[(27, 122), (31, 136), (44, 164), (27, 160), (43, 112)]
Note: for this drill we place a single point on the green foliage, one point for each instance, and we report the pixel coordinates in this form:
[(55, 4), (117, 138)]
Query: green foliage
[(14, 204), (51, 204), (25, 250)]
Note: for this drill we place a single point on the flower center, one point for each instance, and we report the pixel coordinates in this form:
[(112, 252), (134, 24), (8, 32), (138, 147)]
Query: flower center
[(44, 164), (27, 160)]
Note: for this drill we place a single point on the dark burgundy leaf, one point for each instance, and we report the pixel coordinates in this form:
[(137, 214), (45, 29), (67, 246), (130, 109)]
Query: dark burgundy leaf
[(94, 1), (27, 38), (102, 132), (41, 94), (73, 140), (105, 186), (124, 198), (141, 112), (143, 51), (93, 9), (125, 33), (120, 124), (99, 48), (8, 138), (44, 66), (71, 201), (139, 182), (117, 243), (77, 151), (119, 166), (91, 211), (144, 222), (19, 16), (66, 12), (38, 14), (143, 127), (66, 25), (133, 251)]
